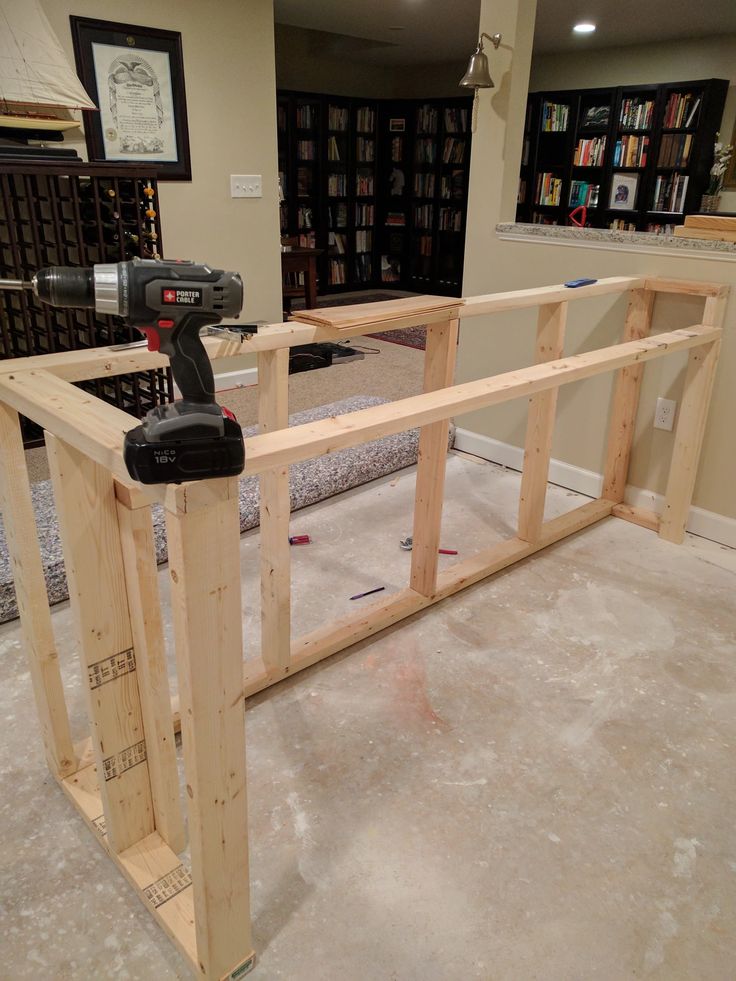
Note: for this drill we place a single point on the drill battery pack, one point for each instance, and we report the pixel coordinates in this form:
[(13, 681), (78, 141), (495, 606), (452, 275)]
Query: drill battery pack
[(173, 461)]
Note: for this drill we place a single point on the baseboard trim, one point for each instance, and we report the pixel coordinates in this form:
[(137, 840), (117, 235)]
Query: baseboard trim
[(706, 524), (231, 379)]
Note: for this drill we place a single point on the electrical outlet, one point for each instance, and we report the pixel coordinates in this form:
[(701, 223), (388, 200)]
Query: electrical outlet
[(246, 186), (664, 414)]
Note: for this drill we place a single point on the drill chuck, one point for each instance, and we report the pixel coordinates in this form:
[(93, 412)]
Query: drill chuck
[(65, 286)]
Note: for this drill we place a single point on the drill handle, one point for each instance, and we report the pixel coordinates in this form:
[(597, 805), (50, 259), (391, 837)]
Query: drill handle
[(190, 365)]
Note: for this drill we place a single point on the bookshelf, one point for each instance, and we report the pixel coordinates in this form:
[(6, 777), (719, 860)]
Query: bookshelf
[(637, 157), (379, 185)]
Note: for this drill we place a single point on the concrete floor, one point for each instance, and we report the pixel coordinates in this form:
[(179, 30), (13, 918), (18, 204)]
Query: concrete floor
[(533, 780)]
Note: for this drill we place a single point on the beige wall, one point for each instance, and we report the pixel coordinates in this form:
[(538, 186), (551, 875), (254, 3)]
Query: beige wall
[(230, 83), (667, 61), (492, 344)]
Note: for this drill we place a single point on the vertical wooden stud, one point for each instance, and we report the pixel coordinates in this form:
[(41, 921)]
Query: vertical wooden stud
[(85, 503), (30, 592), (439, 371), (144, 603), (275, 507), (204, 564), (689, 432), (540, 425), (625, 403)]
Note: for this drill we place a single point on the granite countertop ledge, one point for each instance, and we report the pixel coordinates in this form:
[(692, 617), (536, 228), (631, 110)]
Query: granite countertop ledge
[(646, 241)]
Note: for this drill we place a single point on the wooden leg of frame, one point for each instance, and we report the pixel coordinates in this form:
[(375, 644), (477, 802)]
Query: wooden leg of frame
[(273, 414), (86, 507), (689, 433), (626, 400), (204, 564), (30, 591), (540, 425), (439, 371), (144, 602)]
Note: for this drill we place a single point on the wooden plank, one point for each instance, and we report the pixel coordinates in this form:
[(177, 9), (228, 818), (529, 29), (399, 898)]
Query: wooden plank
[(625, 402), (439, 372), (86, 509), (204, 564), (689, 287), (714, 222), (144, 602), (689, 433), (368, 314), (637, 516), (326, 436), (540, 425), (154, 871), (474, 306), (30, 591), (275, 510), (706, 234), (339, 634)]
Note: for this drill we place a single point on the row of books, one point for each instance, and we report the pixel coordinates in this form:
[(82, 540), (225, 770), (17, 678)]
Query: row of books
[(337, 242), (453, 184), (364, 185), (337, 185), (425, 151), (364, 214), (364, 267), (337, 118), (555, 117), (583, 193), (427, 119), (365, 149), (453, 150), (424, 244), (669, 192), (590, 153), (333, 149), (456, 120), (336, 272), (622, 225), (305, 116), (337, 215), (549, 189), (424, 185), (307, 240), (366, 119), (680, 110), (423, 215), (674, 150), (637, 113), (397, 149), (305, 149), (396, 219), (631, 151), (363, 240), (451, 220)]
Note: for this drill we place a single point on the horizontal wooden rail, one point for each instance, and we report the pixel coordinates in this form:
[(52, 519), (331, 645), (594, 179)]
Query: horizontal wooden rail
[(474, 306), (314, 439)]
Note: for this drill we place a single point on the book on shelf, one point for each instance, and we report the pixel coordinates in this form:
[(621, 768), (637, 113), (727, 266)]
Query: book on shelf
[(396, 219), (307, 240), (549, 189), (624, 189), (456, 120), (674, 150), (336, 242), (622, 225), (596, 117), (659, 228), (680, 110), (631, 151), (451, 220), (454, 150), (365, 149), (583, 193), (425, 150), (555, 117), (305, 149), (305, 116), (364, 184), (363, 240), (333, 149), (365, 119), (337, 185), (453, 185), (390, 269), (363, 268), (397, 149), (669, 192), (337, 118), (336, 272), (426, 119), (424, 185), (364, 214), (590, 153), (337, 215), (424, 245), (636, 113), (423, 215)]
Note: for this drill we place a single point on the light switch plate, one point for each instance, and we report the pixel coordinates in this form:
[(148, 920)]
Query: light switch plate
[(246, 186)]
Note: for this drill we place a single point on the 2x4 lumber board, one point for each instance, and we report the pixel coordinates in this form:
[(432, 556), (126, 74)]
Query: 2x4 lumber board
[(87, 513), (155, 872), (336, 636), (540, 425), (369, 314), (439, 372), (328, 435), (30, 591), (275, 510), (625, 403), (204, 565), (144, 603), (707, 234), (637, 516), (710, 221), (690, 287), (474, 306), (689, 433)]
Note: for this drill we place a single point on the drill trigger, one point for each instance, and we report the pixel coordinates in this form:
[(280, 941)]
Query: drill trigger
[(154, 341)]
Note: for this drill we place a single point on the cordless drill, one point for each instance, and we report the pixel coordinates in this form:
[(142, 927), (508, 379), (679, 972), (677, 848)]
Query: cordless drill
[(170, 302)]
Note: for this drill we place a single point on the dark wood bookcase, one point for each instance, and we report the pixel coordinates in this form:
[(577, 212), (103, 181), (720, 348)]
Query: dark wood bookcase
[(385, 194), (637, 156)]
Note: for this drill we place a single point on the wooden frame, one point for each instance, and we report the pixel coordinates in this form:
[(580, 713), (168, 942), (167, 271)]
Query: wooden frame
[(123, 780)]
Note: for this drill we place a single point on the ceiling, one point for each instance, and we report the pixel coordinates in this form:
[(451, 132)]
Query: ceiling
[(441, 31)]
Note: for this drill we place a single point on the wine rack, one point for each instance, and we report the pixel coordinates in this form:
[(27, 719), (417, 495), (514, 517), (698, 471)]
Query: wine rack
[(76, 215)]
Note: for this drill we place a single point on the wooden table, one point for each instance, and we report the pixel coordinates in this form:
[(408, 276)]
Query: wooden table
[(301, 260)]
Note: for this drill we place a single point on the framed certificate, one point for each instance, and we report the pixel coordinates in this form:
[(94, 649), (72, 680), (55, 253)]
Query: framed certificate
[(135, 75)]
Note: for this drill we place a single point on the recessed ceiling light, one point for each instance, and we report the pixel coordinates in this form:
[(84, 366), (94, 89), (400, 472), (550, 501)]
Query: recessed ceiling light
[(584, 28)]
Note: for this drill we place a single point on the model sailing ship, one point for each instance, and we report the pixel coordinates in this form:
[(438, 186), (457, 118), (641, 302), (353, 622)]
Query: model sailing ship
[(36, 81)]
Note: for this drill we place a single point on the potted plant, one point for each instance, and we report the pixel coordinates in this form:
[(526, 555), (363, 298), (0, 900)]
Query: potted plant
[(721, 159)]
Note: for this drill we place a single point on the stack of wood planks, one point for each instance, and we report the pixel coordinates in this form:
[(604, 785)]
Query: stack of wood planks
[(718, 228)]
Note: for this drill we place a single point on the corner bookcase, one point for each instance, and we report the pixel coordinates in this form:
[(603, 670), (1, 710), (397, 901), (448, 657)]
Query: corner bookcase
[(636, 157), (379, 185)]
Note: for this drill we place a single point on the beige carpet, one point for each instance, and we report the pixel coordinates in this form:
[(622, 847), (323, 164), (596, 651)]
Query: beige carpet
[(394, 372)]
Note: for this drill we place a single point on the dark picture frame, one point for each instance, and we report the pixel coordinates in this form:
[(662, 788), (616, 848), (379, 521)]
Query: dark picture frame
[(396, 125), (142, 101)]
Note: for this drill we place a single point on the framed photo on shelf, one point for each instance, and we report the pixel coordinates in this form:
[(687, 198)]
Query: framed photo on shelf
[(624, 188), (135, 75), (596, 117), (396, 125)]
